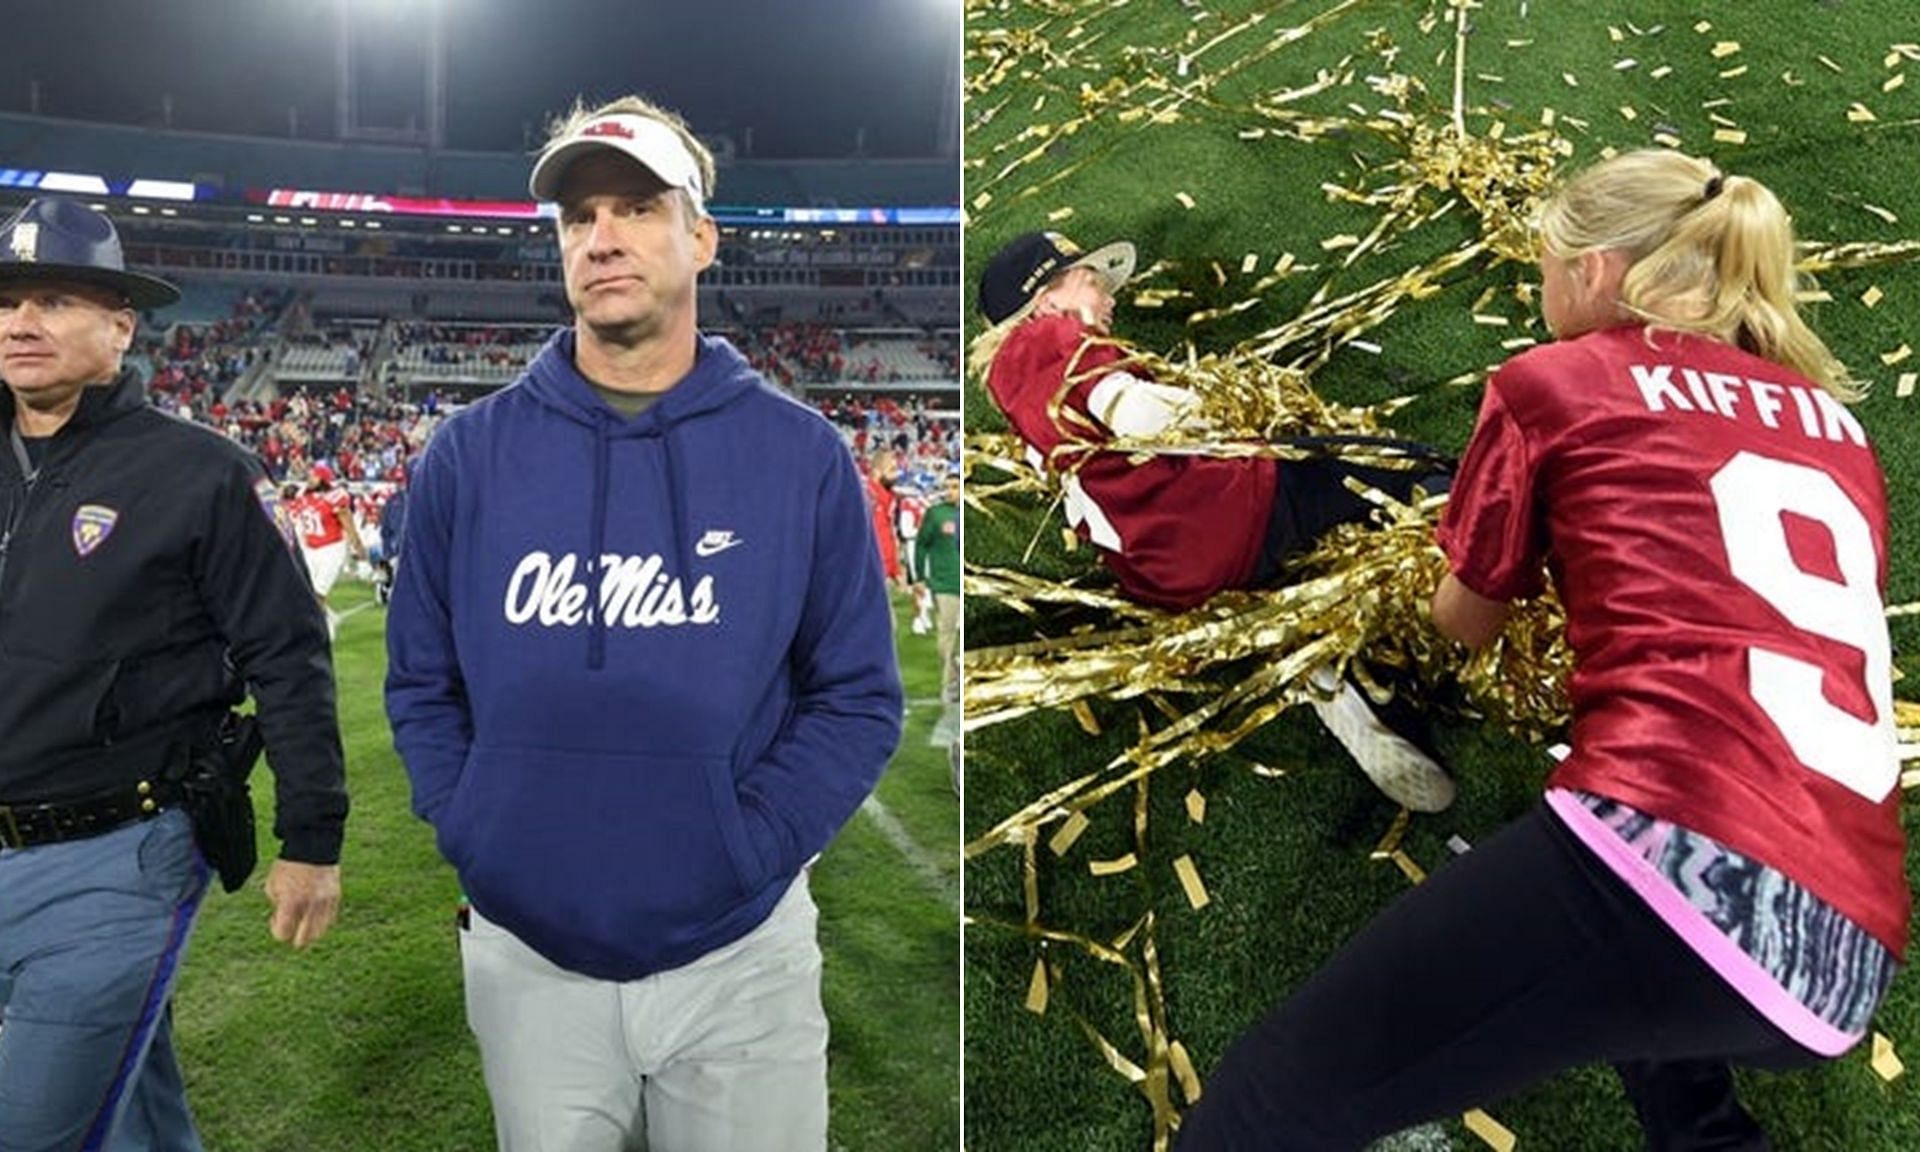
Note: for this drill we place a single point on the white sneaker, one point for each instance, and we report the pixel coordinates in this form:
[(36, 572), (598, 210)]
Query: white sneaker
[(1396, 765)]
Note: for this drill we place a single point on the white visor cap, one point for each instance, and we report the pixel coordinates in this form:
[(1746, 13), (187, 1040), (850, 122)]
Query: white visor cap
[(654, 145)]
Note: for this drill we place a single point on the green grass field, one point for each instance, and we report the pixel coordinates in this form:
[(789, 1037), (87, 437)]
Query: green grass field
[(1206, 186), (360, 1044)]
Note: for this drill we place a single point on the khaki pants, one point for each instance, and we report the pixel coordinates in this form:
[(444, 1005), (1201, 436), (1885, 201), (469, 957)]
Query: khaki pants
[(948, 628), (726, 1054)]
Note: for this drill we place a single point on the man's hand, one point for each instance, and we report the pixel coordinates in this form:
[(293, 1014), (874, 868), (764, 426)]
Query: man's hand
[(305, 898)]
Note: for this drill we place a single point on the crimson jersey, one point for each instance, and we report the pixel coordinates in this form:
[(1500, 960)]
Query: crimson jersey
[(1173, 529), (317, 515), (1717, 528)]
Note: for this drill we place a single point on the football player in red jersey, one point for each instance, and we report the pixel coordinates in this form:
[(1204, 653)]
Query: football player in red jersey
[(1174, 530), (1716, 874), (324, 516)]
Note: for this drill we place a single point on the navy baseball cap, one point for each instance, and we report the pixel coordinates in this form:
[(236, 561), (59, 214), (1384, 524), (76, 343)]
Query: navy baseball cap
[(1018, 272), (61, 240)]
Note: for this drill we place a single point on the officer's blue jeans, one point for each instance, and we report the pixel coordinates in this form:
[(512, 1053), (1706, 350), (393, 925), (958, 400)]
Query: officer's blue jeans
[(92, 933)]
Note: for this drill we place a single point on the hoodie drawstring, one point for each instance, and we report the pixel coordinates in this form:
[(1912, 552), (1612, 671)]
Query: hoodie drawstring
[(676, 499), (597, 544)]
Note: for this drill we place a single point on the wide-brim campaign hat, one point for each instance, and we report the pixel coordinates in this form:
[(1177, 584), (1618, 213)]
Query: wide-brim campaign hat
[(1018, 272), (653, 144), (57, 239)]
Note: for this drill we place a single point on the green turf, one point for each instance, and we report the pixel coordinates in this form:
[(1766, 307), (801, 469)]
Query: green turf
[(360, 1044), (1286, 860)]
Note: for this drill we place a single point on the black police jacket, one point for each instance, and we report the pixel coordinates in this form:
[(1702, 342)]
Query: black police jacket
[(147, 582)]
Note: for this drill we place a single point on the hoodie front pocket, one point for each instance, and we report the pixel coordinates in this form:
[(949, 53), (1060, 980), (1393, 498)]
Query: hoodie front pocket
[(598, 845)]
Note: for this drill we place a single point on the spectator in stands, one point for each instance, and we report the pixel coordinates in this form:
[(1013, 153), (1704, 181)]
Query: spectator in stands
[(937, 556), (148, 588), (641, 670)]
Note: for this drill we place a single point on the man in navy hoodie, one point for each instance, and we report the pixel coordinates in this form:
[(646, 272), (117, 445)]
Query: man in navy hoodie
[(641, 672)]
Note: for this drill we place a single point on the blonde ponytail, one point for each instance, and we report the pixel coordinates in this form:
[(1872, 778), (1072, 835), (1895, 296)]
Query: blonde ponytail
[(1711, 255)]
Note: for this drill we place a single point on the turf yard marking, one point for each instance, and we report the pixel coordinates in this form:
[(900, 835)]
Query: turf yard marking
[(921, 860)]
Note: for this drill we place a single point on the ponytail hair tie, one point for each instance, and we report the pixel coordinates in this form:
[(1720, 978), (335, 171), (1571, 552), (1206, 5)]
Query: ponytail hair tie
[(1714, 185)]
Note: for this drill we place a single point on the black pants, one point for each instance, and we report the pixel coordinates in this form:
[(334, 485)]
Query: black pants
[(1524, 957), (1312, 497)]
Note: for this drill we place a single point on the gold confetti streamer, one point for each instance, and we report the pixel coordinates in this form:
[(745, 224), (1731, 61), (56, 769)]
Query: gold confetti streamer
[(1183, 1071), (1492, 1133)]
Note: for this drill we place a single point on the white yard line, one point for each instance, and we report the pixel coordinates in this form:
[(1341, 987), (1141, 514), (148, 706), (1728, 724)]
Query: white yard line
[(922, 861)]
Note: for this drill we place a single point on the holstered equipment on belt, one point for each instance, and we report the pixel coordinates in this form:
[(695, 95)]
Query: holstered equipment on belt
[(213, 790)]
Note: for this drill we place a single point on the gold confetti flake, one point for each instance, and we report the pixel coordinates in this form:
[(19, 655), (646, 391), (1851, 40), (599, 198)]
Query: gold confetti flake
[(1882, 213), (1489, 78), (1068, 832), (1733, 73), (1037, 989), (1626, 64), (1790, 80), (1662, 72), (1196, 806), (982, 200), (1114, 867), (1724, 49), (1491, 321), (1335, 243), (1893, 82), (1615, 35), (1252, 133), (1729, 136), (1039, 102), (1872, 296), (1627, 112), (1249, 264), (1886, 1062), (1518, 342), (1904, 388), (1084, 715), (1190, 882), (1813, 296), (1519, 43), (1896, 356), (1186, 201), (1059, 214), (1704, 27), (1830, 64), (1666, 138), (1547, 116), (1572, 80), (1495, 1134), (1859, 113), (1892, 58)]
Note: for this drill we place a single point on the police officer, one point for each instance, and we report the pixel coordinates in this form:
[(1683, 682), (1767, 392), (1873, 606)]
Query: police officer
[(147, 582)]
